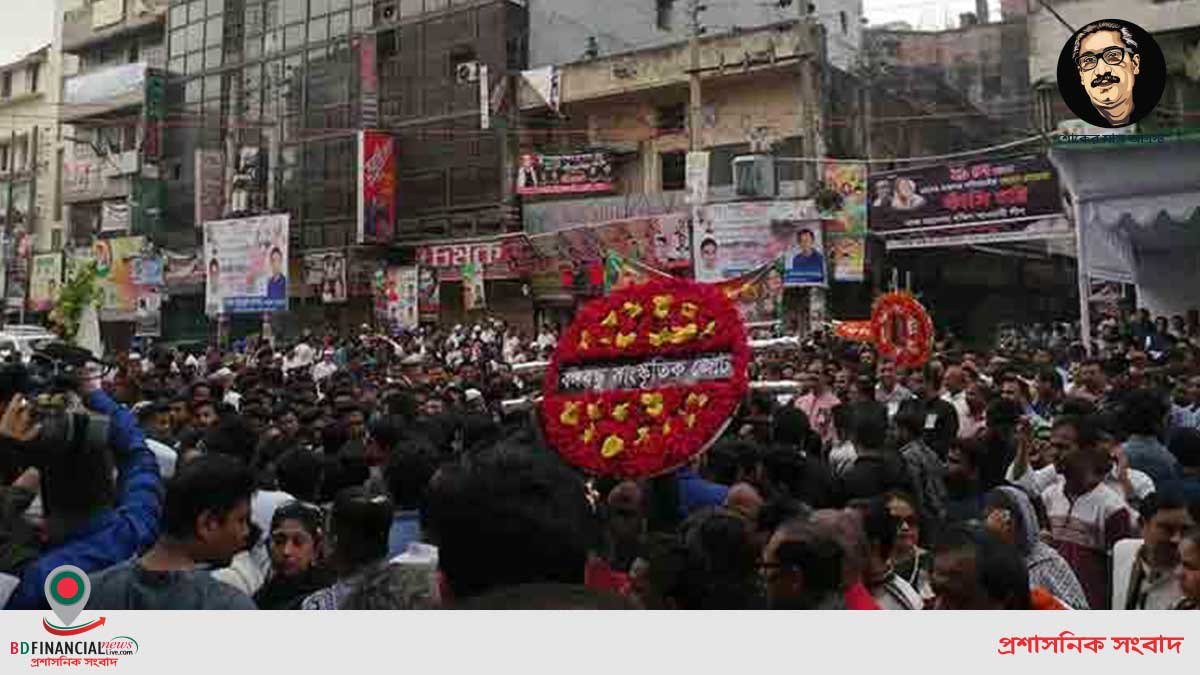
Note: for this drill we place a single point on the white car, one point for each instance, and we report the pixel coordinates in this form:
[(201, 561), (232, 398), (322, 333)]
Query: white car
[(22, 341)]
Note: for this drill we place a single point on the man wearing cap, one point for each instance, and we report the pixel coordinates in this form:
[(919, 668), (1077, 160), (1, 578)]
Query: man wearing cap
[(325, 368)]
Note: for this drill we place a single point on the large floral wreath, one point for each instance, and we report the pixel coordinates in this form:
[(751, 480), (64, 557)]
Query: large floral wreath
[(635, 433), (909, 347)]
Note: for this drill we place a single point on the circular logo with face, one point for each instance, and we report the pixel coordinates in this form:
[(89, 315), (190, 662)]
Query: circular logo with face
[(1111, 73)]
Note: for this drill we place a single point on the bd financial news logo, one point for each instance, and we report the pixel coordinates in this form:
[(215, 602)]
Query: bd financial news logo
[(67, 591)]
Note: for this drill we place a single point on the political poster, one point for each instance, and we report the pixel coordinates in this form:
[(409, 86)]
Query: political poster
[(659, 241), (429, 300), (848, 180), (115, 262), (325, 276), (407, 313), (376, 187), (473, 288), (246, 265), (564, 174), (45, 281), (758, 294), (965, 194), (732, 239), (148, 319), (847, 255)]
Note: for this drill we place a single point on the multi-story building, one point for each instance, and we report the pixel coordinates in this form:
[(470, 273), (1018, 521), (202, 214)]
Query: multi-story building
[(112, 52), (30, 208), (286, 87)]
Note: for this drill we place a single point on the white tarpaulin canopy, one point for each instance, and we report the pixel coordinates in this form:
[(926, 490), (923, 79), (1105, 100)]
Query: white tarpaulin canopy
[(1137, 210)]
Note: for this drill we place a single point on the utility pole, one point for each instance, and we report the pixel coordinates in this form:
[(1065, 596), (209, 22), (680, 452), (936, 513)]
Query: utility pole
[(695, 103)]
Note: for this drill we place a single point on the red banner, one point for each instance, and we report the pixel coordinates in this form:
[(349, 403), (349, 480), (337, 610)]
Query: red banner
[(855, 331), (376, 187)]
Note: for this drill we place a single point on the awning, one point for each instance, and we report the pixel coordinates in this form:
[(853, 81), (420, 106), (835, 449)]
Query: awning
[(1137, 207)]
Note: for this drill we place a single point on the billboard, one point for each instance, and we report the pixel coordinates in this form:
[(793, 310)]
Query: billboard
[(967, 194), (246, 265), (376, 187), (430, 303), (564, 174), (115, 259), (660, 241), (732, 239), (325, 276), (45, 281)]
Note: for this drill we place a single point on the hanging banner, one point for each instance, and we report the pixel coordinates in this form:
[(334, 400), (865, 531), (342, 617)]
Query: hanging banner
[(732, 239), (854, 331), (847, 256), (148, 270), (697, 178), (407, 310), (183, 273), (325, 276), (148, 321), (947, 196), (248, 181), (564, 174), (758, 294), (472, 287), (246, 265), (485, 99), (376, 187), (210, 186), (368, 79), (429, 292), (46, 280), (500, 258), (658, 241), (115, 275), (849, 181)]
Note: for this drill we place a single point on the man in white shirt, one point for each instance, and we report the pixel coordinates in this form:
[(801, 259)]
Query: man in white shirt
[(325, 368)]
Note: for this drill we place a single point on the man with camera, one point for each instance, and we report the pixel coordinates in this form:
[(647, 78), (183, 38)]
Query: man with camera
[(90, 520)]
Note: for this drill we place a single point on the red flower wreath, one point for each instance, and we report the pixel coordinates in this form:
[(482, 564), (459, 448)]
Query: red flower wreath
[(637, 433), (911, 346)]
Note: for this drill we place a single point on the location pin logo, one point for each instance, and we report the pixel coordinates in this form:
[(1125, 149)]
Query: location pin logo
[(67, 591)]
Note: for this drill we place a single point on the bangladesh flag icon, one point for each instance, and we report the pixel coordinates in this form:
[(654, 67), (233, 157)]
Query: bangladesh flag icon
[(67, 591)]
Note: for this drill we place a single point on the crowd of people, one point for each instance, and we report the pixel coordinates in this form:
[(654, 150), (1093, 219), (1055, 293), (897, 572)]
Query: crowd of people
[(371, 472)]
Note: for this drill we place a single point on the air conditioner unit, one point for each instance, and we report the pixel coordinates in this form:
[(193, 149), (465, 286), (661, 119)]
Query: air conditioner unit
[(754, 176), (467, 72)]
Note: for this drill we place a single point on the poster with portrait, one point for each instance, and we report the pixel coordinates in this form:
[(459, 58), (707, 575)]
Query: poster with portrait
[(406, 312), (540, 174), (115, 262), (847, 256), (757, 294), (732, 239), (325, 276), (429, 301), (246, 265), (849, 181), (472, 287), (45, 281)]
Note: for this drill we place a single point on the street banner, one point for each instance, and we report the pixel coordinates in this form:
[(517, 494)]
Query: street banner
[(368, 78), (148, 320), (46, 281), (499, 258), (757, 294), (849, 181), (963, 194), (485, 99), (325, 276), (564, 174), (660, 241), (376, 187), (407, 310), (246, 265), (854, 331), (473, 288), (429, 292), (732, 239), (847, 255), (183, 273)]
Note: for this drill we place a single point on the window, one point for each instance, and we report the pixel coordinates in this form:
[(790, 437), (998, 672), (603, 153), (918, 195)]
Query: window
[(6, 86), (842, 18), (662, 13), (32, 75), (671, 119), (674, 170)]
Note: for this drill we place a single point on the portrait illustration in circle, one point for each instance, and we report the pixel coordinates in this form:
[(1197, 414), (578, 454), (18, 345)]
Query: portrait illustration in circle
[(1111, 73)]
